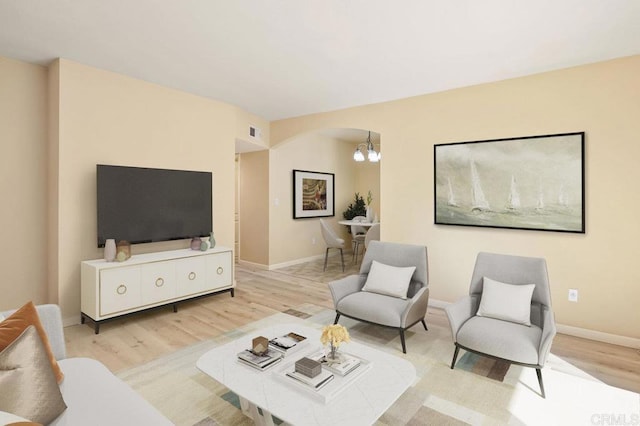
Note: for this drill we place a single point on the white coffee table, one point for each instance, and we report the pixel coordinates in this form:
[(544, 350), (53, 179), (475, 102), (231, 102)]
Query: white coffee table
[(362, 402)]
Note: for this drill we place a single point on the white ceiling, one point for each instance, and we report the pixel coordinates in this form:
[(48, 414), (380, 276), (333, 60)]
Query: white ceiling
[(285, 58)]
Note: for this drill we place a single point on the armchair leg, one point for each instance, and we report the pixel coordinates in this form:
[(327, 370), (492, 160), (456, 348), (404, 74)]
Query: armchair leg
[(337, 318), (539, 373), (404, 346), (455, 356), (424, 324), (342, 258), (326, 257)]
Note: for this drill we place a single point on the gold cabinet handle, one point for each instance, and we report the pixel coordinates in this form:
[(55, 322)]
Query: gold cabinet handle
[(192, 276), (220, 270), (160, 282), (122, 289)]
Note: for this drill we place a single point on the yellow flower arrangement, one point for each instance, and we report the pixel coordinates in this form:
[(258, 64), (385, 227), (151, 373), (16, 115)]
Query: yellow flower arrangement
[(334, 334)]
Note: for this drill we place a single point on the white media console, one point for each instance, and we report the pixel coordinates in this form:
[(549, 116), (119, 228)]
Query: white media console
[(112, 289)]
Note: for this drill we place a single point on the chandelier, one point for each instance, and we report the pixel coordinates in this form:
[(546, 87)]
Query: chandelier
[(372, 155)]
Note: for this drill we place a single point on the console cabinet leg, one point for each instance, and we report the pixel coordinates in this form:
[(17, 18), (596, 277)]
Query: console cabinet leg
[(233, 293)]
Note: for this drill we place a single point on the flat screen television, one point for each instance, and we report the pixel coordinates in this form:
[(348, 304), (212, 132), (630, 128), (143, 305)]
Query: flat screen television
[(144, 205)]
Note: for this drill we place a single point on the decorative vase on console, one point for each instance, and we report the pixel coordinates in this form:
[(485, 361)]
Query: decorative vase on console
[(212, 241), (195, 243), (110, 250), (205, 244), (369, 209), (123, 250)]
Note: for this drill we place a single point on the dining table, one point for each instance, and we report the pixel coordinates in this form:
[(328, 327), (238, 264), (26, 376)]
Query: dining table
[(364, 224), (357, 223)]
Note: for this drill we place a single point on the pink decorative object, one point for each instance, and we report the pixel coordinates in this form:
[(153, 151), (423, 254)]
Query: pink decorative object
[(110, 250), (195, 243)]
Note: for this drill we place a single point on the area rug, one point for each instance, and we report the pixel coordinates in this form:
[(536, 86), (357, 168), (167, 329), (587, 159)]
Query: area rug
[(475, 392)]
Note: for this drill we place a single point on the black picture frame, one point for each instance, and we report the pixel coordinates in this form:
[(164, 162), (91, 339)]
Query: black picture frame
[(530, 183), (313, 194)]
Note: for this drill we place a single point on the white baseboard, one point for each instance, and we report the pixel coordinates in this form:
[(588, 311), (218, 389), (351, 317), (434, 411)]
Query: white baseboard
[(435, 303), (295, 262), (252, 265), (278, 265), (584, 333), (599, 336)]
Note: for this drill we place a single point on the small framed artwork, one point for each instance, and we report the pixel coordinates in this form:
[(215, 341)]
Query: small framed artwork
[(313, 194), (532, 182)]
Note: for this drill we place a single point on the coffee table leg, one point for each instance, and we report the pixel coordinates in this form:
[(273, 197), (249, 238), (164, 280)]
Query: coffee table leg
[(251, 410)]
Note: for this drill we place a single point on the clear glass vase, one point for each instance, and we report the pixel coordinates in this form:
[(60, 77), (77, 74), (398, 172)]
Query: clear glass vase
[(334, 355)]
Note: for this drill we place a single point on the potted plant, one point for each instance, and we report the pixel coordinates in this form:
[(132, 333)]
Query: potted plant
[(357, 208)]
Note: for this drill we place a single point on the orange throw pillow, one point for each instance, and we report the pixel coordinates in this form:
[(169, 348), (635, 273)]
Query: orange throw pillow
[(12, 327)]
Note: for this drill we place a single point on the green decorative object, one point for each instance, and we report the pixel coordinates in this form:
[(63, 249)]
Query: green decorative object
[(357, 208), (212, 241)]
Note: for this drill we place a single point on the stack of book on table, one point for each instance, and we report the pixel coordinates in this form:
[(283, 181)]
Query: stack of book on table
[(316, 382), (288, 343), (346, 365), (334, 378), (260, 362)]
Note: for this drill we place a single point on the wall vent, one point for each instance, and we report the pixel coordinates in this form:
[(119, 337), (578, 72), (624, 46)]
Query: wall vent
[(255, 132)]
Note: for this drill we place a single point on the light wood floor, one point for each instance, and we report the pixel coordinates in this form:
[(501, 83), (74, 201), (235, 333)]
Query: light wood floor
[(140, 338)]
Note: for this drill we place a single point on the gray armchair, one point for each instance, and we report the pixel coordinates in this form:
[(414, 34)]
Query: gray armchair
[(400, 313), (518, 343)]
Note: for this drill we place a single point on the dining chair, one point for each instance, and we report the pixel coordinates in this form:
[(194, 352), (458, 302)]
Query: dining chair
[(373, 234), (357, 236), (332, 241)]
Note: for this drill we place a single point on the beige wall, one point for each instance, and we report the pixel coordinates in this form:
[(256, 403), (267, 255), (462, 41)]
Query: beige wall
[(244, 120), (53, 172), (601, 99), (106, 118), (305, 152), (254, 207), (23, 167), (291, 239), (367, 178), (100, 117)]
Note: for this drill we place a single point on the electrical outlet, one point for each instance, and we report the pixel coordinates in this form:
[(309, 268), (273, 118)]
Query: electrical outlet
[(573, 295)]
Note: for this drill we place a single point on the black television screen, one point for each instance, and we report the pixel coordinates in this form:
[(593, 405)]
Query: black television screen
[(143, 205)]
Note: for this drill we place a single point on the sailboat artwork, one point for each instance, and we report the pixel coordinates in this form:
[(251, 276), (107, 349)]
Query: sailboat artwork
[(531, 183), (540, 200), (451, 201), (513, 202), (478, 200), (562, 198)]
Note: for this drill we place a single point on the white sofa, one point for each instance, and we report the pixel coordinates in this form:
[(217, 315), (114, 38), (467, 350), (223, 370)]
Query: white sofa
[(94, 396)]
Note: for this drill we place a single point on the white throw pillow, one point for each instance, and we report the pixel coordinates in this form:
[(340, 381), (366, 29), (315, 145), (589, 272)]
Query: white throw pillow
[(8, 418), (508, 302), (389, 280), (2, 318)]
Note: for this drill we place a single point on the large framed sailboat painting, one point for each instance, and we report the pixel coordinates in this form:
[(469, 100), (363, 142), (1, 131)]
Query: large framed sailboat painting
[(531, 182)]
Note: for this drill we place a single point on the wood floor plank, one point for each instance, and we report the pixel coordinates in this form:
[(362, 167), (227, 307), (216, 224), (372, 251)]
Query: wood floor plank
[(138, 339)]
